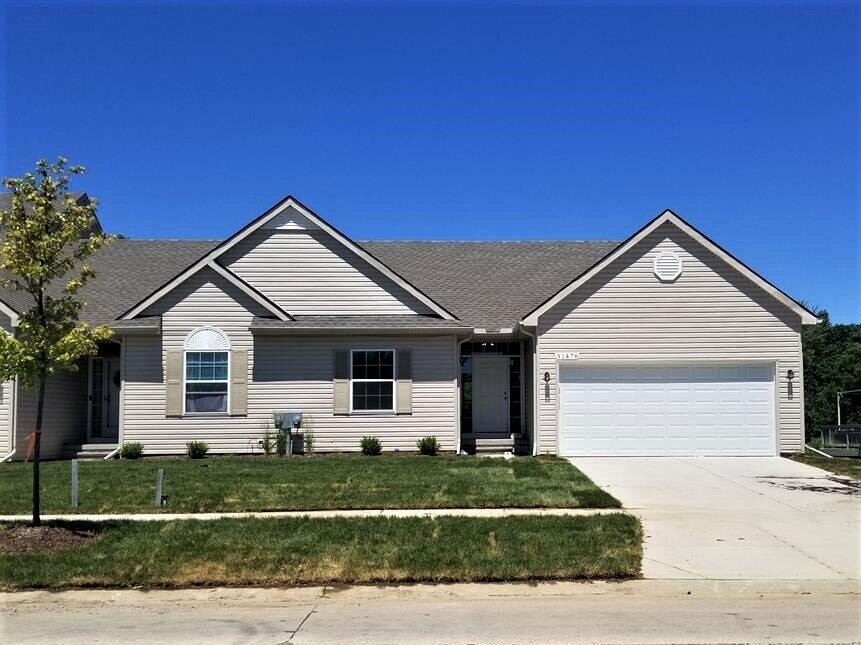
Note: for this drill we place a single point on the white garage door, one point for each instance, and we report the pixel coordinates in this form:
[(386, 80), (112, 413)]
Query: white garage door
[(692, 410)]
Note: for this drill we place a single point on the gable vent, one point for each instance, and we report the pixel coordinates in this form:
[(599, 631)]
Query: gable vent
[(668, 266)]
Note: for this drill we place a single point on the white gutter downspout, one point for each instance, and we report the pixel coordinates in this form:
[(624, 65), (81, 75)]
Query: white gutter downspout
[(7, 457), (818, 452), (533, 395)]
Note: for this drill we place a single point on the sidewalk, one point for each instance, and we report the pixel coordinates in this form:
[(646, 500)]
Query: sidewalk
[(408, 512), (546, 613)]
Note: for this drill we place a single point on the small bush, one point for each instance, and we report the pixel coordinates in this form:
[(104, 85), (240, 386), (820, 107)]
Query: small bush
[(428, 446), (281, 442), (268, 441), (308, 438), (371, 446), (132, 450), (196, 449)]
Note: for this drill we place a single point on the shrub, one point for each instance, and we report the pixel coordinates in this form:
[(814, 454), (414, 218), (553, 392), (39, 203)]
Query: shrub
[(281, 442), (428, 446), (308, 434), (371, 446), (132, 450), (196, 449), (268, 441)]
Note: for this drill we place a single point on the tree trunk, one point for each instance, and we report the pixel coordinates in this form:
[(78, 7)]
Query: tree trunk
[(37, 442)]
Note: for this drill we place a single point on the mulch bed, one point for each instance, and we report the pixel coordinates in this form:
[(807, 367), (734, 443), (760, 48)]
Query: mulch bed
[(48, 537)]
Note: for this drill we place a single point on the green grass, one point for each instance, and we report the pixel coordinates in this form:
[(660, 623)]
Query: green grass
[(270, 551), (228, 484), (838, 465)]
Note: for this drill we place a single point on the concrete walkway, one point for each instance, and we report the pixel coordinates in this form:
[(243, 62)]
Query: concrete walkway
[(638, 611), (409, 512), (761, 518)]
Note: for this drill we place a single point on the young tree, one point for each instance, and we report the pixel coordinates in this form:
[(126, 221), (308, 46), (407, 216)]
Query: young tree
[(46, 239)]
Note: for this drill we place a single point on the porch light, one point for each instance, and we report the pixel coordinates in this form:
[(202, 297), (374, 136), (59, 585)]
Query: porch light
[(790, 374), (546, 377)]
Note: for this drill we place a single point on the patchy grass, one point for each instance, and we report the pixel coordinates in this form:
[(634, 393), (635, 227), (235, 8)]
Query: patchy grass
[(846, 466), (233, 484), (299, 551)]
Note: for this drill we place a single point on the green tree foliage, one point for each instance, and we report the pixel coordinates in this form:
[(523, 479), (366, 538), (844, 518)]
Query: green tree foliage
[(832, 363), (46, 239)]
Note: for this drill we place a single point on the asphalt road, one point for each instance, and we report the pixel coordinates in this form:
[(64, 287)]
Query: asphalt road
[(642, 611)]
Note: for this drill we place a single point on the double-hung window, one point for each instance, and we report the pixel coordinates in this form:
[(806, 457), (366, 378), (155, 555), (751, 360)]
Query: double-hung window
[(372, 379), (206, 381)]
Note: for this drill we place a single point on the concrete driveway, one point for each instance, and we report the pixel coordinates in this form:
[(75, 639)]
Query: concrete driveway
[(724, 518)]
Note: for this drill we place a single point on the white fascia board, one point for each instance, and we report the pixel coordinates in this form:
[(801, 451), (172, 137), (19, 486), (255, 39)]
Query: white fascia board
[(807, 318), (261, 221), (14, 318), (255, 295)]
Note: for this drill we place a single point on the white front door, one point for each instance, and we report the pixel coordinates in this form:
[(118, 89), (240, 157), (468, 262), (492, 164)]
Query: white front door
[(667, 411), (490, 394)]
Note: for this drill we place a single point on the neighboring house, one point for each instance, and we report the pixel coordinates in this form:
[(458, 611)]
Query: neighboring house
[(663, 344)]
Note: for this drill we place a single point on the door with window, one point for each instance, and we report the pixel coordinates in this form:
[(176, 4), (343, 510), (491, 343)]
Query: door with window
[(105, 381)]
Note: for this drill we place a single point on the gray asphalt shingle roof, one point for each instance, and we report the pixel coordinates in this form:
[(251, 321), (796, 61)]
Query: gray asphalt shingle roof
[(490, 285), (127, 271)]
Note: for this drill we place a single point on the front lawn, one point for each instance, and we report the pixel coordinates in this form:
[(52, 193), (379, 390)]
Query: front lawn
[(846, 466), (232, 484), (298, 551)]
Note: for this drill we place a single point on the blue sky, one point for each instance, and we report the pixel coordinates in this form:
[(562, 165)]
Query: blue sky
[(458, 121)]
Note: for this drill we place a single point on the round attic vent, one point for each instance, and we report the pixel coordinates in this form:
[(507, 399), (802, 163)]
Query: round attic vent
[(668, 266)]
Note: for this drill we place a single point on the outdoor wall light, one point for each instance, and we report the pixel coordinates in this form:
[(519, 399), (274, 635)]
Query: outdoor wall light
[(546, 377), (790, 374)]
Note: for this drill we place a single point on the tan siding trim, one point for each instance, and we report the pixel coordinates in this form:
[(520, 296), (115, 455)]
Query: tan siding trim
[(238, 382), (404, 394), (174, 399), (341, 382)]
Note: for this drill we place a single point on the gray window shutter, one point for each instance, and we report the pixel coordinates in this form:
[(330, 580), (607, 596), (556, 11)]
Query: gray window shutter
[(341, 382), (239, 382), (405, 381), (173, 383)]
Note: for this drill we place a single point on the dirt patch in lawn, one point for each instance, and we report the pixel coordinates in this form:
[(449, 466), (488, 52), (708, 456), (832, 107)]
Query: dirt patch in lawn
[(45, 538)]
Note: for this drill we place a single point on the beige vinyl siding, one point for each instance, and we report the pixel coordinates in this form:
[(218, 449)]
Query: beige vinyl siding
[(6, 429), (307, 272), (711, 313), (284, 373), (65, 415)]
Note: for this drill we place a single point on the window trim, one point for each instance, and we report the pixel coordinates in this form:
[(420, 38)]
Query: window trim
[(393, 381), (185, 382)]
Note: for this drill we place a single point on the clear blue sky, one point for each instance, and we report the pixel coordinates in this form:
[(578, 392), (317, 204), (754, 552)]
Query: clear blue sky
[(458, 121)]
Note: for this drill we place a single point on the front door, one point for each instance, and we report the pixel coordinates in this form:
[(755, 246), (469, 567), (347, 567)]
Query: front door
[(104, 398), (490, 394)]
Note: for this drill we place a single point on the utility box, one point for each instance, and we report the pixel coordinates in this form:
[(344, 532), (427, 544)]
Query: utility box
[(290, 421)]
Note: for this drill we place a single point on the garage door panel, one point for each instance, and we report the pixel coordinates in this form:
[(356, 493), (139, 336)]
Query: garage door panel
[(676, 410)]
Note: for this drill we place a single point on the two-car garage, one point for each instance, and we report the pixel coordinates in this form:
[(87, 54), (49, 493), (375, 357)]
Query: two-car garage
[(673, 410)]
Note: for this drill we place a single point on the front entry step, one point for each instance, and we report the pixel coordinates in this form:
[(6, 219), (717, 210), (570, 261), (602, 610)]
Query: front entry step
[(96, 450), (484, 445)]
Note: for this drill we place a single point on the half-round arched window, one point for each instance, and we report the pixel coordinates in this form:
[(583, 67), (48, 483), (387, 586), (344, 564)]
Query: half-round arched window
[(207, 371), (207, 338)]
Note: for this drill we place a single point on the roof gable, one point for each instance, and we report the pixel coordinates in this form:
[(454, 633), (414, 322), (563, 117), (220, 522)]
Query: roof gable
[(668, 216), (289, 213)]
